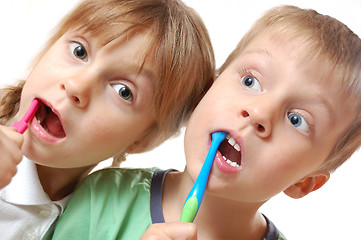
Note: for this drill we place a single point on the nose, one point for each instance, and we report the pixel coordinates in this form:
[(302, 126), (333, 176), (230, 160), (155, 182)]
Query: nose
[(77, 90), (260, 118)]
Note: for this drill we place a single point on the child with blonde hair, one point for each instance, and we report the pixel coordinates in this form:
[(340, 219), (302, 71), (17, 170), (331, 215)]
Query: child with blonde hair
[(117, 77), (288, 98)]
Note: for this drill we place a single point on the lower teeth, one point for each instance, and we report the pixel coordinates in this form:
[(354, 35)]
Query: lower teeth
[(233, 164)]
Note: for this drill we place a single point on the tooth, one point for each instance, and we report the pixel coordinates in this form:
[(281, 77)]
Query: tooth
[(224, 158), (228, 136), (237, 147), (233, 164), (232, 141)]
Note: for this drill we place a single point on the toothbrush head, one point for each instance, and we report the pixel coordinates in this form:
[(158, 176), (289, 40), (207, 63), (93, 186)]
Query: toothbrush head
[(22, 125)]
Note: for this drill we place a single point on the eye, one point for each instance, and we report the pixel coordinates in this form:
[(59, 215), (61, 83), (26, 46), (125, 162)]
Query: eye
[(123, 91), (79, 51), (298, 122), (251, 82)]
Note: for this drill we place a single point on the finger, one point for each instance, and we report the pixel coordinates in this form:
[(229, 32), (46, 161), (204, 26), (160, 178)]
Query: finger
[(10, 157), (181, 231), (171, 231), (10, 134), (5, 178), (10, 147)]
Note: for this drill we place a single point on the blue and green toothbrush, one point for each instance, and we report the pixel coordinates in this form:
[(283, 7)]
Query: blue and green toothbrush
[(195, 195)]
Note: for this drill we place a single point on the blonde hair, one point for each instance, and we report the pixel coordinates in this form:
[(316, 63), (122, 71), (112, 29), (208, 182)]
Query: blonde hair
[(327, 42), (180, 46)]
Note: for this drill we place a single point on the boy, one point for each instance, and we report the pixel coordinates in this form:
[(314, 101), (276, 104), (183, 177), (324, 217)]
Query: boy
[(281, 97)]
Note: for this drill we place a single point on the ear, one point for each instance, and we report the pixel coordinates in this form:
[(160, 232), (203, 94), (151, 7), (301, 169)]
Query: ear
[(307, 185)]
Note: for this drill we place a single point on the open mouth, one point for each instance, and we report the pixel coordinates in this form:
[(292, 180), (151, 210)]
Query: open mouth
[(231, 151), (49, 121)]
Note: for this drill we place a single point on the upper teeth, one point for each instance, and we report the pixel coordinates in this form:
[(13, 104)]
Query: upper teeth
[(233, 143)]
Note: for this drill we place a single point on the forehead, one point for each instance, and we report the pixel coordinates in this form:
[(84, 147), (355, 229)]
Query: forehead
[(305, 51), (138, 45)]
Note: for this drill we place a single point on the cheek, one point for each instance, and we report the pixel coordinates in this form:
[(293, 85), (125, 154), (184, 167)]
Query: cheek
[(40, 80), (105, 130), (277, 163), (117, 132), (291, 166), (104, 142)]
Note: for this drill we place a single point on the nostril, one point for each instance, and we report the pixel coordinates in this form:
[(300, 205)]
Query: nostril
[(76, 99), (260, 128), (244, 114)]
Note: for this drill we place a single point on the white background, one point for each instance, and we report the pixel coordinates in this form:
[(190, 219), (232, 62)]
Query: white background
[(329, 213)]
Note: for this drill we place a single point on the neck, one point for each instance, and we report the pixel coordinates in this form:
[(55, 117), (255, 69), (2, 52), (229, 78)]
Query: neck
[(60, 182), (217, 218)]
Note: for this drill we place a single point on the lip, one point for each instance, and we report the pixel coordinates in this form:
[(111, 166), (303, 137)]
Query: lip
[(40, 132), (222, 165)]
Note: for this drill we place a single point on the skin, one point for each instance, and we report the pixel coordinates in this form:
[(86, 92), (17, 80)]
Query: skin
[(257, 116), (82, 88), (10, 143)]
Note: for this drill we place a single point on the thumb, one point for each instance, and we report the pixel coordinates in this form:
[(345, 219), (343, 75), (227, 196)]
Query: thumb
[(7, 133), (171, 231), (181, 231)]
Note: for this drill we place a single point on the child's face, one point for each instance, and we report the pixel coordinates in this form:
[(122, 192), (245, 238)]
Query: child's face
[(282, 118), (96, 104)]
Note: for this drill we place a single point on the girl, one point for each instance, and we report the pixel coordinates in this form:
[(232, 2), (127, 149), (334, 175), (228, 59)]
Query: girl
[(117, 77)]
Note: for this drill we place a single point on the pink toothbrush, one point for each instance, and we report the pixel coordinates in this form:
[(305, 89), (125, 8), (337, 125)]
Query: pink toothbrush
[(22, 125)]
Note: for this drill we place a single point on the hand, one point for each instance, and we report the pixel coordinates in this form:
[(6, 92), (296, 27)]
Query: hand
[(171, 231), (10, 153)]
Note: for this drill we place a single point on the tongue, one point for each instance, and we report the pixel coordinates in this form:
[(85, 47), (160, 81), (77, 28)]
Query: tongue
[(54, 126)]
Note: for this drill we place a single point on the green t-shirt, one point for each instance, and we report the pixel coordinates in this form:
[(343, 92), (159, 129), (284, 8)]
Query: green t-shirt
[(109, 204), (117, 203)]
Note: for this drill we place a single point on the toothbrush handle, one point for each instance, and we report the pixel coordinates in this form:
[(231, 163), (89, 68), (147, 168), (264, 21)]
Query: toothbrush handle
[(196, 194)]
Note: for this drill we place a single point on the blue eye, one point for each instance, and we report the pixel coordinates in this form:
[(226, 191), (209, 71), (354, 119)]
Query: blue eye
[(79, 51), (123, 91), (298, 122), (251, 82)]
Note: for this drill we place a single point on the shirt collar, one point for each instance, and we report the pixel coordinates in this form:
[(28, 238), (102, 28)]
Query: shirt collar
[(25, 187)]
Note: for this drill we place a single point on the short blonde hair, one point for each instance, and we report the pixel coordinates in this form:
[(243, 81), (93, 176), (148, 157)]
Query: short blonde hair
[(180, 46), (333, 45)]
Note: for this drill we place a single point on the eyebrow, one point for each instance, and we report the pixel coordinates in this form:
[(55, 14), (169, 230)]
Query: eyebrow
[(322, 100), (149, 74), (144, 72), (259, 51)]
